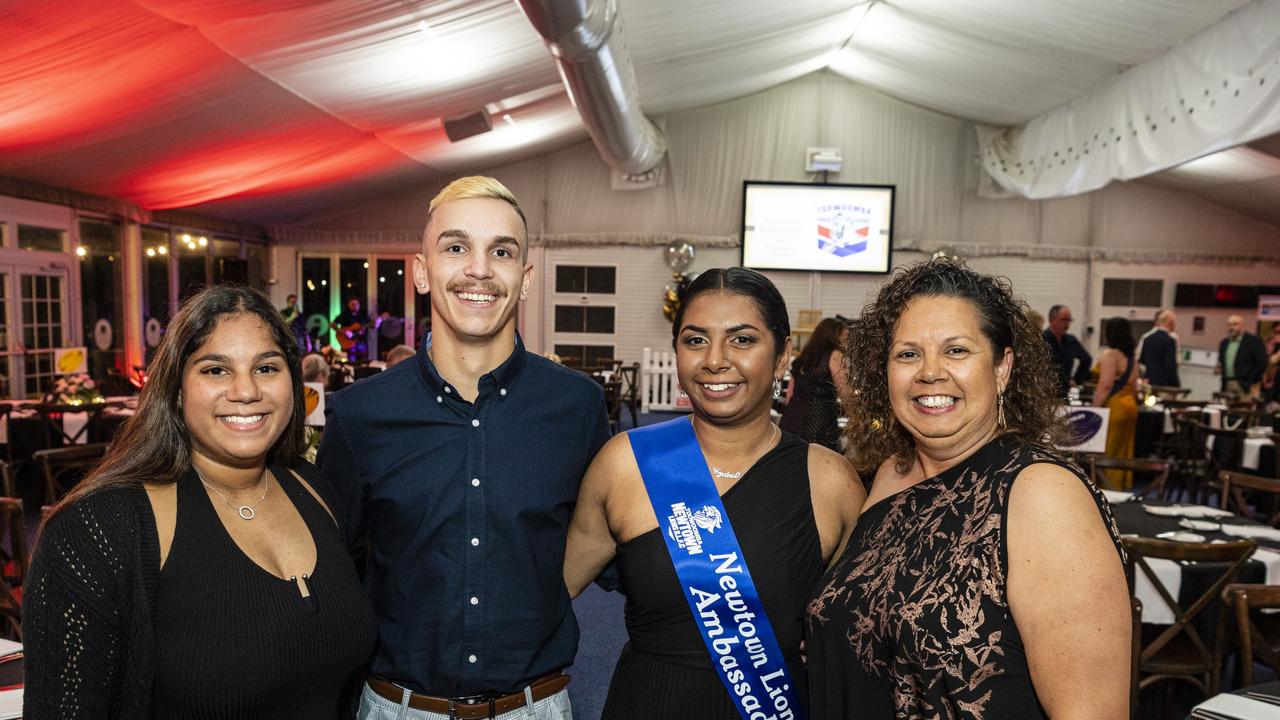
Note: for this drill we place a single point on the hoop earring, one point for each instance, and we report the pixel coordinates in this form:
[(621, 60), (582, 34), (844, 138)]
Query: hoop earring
[(1000, 421), (777, 388)]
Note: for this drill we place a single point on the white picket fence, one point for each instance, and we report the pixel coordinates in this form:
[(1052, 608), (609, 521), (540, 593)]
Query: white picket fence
[(659, 388)]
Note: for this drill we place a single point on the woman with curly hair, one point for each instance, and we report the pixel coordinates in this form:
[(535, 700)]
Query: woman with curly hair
[(817, 375), (984, 578)]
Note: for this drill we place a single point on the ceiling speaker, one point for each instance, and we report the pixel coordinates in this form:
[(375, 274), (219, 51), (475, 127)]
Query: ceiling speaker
[(461, 127)]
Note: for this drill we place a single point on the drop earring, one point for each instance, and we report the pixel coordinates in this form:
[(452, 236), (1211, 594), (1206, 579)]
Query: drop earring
[(1000, 411), (777, 388)]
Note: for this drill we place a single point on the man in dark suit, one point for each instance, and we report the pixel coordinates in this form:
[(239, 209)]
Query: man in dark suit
[(1069, 357), (1241, 359), (1158, 351)]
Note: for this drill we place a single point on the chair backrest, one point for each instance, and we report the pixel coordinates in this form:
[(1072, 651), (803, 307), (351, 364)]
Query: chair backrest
[(14, 529), (1233, 497), (1232, 555), (1227, 450), (61, 465), (1158, 468), (8, 486), (1237, 601), (1135, 658)]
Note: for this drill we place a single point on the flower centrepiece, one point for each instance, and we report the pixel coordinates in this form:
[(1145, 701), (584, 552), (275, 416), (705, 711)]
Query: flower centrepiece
[(78, 389)]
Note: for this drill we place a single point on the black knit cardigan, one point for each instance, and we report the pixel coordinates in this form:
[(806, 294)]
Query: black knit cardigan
[(87, 611)]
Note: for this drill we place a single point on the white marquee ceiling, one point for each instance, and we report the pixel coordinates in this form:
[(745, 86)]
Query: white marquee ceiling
[(266, 110)]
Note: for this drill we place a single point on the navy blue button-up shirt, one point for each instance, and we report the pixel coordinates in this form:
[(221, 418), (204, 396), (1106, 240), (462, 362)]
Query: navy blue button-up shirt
[(462, 510)]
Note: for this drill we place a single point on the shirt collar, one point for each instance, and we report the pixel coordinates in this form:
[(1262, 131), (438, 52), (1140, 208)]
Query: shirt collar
[(500, 378)]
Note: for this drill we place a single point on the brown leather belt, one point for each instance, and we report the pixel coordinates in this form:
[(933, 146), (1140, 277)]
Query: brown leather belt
[(475, 707)]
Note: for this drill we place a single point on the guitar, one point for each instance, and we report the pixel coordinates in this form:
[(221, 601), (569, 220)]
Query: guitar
[(349, 335)]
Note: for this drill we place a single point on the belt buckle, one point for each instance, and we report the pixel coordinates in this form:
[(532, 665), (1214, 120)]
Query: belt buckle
[(472, 701)]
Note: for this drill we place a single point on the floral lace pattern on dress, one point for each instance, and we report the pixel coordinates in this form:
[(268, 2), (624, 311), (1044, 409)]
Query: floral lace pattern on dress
[(919, 598)]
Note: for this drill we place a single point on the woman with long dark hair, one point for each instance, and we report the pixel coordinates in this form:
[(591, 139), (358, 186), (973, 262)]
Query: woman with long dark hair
[(197, 572), (817, 375), (784, 506), (1117, 391)]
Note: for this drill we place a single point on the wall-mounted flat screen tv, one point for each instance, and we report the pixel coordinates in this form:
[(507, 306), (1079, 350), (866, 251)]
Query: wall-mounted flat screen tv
[(827, 228)]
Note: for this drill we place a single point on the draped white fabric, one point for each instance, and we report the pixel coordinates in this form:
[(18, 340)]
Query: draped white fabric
[(1219, 89), (929, 157), (269, 111)]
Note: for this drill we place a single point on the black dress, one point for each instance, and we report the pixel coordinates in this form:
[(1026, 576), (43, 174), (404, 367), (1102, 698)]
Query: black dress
[(235, 641), (913, 620), (665, 671), (813, 412)]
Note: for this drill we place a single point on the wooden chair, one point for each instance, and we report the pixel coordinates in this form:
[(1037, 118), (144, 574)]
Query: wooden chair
[(1167, 393), (63, 466), (13, 527), (10, 613), (1257, 635), (1158, 468), (1135, 657), (1177, 652), (8, 485), (1233, 497), (1190, 457), (630, 375), (1224, 451)]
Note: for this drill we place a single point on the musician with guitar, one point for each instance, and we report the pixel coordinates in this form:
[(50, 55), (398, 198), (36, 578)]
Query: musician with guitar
[(351, 328)]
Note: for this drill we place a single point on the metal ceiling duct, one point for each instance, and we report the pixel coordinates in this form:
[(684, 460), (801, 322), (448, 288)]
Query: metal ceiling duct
[(585, 37)]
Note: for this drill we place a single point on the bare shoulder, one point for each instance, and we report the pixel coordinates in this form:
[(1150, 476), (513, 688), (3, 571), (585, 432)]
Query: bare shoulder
[(1052, 490), (1051, 507), (831, 473), (613, 464)]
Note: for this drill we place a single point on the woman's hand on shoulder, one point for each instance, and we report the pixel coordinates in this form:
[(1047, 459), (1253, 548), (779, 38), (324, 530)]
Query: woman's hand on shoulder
[(1068, 594), (591, 544), (837, 495)]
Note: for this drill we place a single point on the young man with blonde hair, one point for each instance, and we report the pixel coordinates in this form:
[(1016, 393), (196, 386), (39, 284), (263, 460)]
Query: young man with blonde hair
[(456, 473)]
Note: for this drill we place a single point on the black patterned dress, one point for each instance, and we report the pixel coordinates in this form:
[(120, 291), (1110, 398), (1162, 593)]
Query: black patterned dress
[(913, 621)]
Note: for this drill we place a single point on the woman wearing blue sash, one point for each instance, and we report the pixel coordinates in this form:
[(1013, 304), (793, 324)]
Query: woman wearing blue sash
[(721, 523), (984, 578)]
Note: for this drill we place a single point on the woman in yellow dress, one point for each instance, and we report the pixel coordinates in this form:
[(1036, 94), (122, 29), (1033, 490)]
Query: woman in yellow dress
[(1117, 391)]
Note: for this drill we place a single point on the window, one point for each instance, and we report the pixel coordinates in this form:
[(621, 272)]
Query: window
[(314, 300), (227, 265), (34, 237), (1126, 292), (584, 319), (193, 252), (255, 255), (101, 296), (594, 279), (390, 304), (581, 356), (155, 287)]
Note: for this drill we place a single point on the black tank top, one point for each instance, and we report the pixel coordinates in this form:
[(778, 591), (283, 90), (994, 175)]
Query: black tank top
[(235, 641), (665, 670)]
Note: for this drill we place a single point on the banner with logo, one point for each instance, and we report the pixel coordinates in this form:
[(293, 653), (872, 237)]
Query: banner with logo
[(1268, 308), (1088, 428), (713, 573)]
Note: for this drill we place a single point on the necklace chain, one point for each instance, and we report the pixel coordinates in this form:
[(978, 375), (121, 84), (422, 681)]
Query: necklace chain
[(717, 472), (246, 512)]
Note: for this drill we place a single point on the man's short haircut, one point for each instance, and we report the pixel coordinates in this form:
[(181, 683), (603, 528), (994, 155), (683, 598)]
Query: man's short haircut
[(398, 353), (1053, 311), (480, 186)]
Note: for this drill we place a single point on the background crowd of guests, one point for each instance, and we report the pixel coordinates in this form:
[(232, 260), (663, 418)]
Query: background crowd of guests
[(467, 493)]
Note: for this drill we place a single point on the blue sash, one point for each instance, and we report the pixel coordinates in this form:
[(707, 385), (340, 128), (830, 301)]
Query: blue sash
[(712, 571)]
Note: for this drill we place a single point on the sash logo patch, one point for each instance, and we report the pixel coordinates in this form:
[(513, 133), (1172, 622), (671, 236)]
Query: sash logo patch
[(683, 526)]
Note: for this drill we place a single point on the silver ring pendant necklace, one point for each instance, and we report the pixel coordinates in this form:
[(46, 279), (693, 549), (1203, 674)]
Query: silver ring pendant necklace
[(246, 512)]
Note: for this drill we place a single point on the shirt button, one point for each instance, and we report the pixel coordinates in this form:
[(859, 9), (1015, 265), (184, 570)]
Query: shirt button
[(472, 658), (503, 391), (475, 542), (475, 482), (475, 601), (447, 389), (475, 423), (439, 399)]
